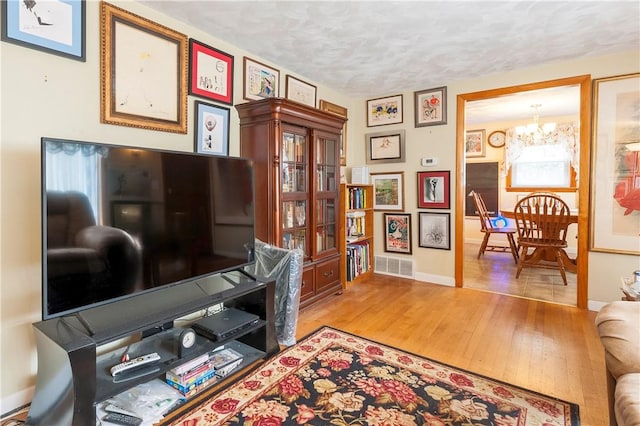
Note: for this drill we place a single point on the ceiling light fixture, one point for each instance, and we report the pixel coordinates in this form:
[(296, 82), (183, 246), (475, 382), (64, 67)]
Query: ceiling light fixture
[(536, 134)]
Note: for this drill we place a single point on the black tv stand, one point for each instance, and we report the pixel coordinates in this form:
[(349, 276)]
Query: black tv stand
[(72, 378)]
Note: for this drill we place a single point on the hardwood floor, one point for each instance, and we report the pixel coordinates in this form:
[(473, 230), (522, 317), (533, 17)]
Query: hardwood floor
[(545, 347), (496, 272)]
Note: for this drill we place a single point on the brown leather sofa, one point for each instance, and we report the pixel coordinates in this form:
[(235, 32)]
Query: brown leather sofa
[(618, 325)]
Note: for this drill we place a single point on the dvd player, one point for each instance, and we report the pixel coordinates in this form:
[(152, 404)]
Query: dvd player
[(225, 324)]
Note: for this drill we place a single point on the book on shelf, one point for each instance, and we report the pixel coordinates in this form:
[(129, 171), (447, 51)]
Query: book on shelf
[(196, 385)]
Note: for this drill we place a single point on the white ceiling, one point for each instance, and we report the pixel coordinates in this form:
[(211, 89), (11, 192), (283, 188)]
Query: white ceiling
[(375, 48)]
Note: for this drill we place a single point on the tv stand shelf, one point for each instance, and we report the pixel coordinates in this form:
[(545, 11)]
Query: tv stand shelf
[(72, 379)]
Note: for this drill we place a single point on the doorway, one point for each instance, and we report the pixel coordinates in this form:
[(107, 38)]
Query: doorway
[(584, 82)]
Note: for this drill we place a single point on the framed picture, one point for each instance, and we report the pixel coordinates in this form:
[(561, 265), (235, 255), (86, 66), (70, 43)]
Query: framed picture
[(342, 112), (615, 174), (431, 107), (56, 27), (388, 191), (397, 232), (260, 80), (383, 111), (385, 147), (211, 135), (143, 78), (434, 230), (210, 73), (474, 143), (300, 91), (433, 190)]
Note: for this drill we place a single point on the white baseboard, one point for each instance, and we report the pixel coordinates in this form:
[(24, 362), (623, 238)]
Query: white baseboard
[(15, 401), (435, 279)]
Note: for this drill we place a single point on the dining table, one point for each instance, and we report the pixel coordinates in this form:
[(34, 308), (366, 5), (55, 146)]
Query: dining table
[(570, 264)]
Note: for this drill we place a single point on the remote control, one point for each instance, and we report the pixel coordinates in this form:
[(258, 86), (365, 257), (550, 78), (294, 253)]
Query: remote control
[(122, 419), (135, 364), (111, 408)]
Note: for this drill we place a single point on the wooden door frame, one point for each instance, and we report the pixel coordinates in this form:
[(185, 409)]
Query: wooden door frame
[(585, 165)]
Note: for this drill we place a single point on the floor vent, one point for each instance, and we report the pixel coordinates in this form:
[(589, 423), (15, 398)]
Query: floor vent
[(394, 266)]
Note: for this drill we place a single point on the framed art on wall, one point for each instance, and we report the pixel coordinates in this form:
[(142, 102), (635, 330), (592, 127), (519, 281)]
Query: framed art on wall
[(615, 177), (300, 91), (342, 112), (474, 143), (56, 27), (385, 147), (397, 232), (434, 230), (431, 107), (433, 190), (211, 131), (210, 73), (388, 191), (260, 81), (383, 111), (143, 76)]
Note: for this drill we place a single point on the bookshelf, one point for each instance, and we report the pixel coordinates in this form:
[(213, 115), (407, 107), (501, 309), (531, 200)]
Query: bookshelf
[(356, 233)]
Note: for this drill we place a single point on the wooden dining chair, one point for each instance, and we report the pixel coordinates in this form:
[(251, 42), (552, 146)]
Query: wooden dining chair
[(542, 220), (488, 228)]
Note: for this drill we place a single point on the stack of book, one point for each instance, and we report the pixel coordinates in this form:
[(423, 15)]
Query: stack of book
[(193, 376)]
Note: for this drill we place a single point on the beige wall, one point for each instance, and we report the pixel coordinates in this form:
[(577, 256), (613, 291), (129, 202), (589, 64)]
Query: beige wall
[(47, 95)]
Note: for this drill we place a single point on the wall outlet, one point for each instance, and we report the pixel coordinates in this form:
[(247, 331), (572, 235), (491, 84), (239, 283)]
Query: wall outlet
[(428, 161)]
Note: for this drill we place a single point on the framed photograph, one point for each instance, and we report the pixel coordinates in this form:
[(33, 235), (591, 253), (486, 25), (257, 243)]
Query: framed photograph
[(211, 135), (143, 77), (300, 91), (433, 190), (210, 73), (474, 143), (431, 107), (342, 112), (383, 111), (615, 173), (434, 230), (385, 147), (260, 80), (56, 27), (388, 191), (397, 232)]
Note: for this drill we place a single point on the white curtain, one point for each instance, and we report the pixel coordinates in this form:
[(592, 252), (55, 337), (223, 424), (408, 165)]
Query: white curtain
[(566, 135)]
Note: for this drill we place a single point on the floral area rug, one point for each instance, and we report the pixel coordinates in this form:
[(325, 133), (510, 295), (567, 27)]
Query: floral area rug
[(335, 378)]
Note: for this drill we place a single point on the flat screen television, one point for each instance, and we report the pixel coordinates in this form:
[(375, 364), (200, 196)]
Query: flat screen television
[(121, 220)]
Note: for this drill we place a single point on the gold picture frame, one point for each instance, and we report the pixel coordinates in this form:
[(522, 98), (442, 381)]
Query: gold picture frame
[(615, 168), (143, 72), (341, 112)]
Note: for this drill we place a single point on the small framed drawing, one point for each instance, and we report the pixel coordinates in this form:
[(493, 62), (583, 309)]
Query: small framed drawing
[(211, 129), (300, 91), (433, 190), (397, 232), (385, 147), (388, 191), (143, 72), (56, 27), (342, 112), (260, 80), (474, 141), (434, 230), (210, 73), (383, 111), (431, 107)]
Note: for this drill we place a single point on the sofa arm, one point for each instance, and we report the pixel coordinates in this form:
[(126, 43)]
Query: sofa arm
[(619, 328)]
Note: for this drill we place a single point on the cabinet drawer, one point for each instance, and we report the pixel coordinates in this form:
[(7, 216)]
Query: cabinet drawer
[(327, 273), (307, 284)]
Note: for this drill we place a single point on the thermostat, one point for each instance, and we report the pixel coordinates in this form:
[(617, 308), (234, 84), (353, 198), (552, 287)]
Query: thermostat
[(429, 161)]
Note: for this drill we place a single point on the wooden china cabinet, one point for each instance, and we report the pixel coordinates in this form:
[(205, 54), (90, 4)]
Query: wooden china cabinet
[(297, 185)]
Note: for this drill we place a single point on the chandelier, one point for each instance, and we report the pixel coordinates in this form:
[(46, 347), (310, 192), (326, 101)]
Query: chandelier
[(534, 133)]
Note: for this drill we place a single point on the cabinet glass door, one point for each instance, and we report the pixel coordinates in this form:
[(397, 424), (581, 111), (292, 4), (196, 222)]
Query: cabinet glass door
[(326, 193), (294, 225), (294, 162)]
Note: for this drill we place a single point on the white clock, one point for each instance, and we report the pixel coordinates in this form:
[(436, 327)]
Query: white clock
[(496, 139), (187, 342)]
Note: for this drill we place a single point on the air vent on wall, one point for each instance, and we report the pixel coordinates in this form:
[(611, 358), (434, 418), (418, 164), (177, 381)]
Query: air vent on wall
[(394, 266)]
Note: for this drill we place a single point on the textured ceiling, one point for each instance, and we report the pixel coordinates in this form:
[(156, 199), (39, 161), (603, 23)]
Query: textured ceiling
[(374, 48)]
